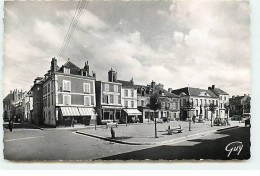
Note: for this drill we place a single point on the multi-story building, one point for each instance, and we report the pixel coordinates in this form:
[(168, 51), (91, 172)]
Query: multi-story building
[(199, 99), (8, 106), (69, 95), (108, 97), (239, 105), (169, 102), (37, 92), (129, 101), (223, 101), (27, 106)]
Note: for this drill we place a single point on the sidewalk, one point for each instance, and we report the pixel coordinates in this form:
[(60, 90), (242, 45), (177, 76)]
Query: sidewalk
[(143, 134)]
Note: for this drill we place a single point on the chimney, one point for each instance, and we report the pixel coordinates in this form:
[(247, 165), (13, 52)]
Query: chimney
[(94, 74), (54, 65), (170, 90), (233, 97), (213, 87), (86, 67), (152, 84), (244, 95), (112, 76), (132, 81)]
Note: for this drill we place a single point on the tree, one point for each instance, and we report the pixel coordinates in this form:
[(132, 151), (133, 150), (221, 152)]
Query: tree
[(154, 105)]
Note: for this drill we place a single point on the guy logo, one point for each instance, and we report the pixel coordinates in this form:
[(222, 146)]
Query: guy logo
[(234, 147)]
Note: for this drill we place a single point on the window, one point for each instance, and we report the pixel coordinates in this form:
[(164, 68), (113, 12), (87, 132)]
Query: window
[(201, 102), (66, 70), (126, 93), (205, 101), (67, 99), (132, 104), (115, 88), (86, 88), (49, 100), (119, 100), (126, 103), (52, 98), (132, 93), (213, 101), (107, 87), (216, 102), (87, 100), (105, 99), (142, 102), (221, 105), (111, 99), (220, 97), (197, 103), (48, 88), (115, 99), (209, 101), (225, 98), (66, 85)]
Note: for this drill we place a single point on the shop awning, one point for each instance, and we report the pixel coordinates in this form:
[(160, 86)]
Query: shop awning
[(86, 111), (132, 112), (70, 111)]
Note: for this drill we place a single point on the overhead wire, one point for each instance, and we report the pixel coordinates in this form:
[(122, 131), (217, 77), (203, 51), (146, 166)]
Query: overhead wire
[(73, 25)]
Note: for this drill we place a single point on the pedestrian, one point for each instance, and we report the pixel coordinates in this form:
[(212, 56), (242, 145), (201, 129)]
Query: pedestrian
[(72, 122), (10, 125), (194, 119)]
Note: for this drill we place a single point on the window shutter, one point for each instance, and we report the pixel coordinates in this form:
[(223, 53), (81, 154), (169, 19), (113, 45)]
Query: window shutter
[(64, 85), (69, 86)]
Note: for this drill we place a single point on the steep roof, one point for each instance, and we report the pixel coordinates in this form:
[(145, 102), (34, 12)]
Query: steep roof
[(75, 70), (219, 91), (166, 93), (190, 91), (8, 97), (126, 83)]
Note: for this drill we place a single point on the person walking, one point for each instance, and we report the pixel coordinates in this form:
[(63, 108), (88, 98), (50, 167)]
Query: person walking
[(11, 125)]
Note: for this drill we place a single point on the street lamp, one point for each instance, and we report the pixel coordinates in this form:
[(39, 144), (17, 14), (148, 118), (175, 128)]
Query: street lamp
[(96, 122), (126, 116)]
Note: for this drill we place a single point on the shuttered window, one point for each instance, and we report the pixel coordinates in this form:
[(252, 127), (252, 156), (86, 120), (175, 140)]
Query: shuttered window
[(87, 100), (66, 85), (107, 87), (86, 88), (67, 99)]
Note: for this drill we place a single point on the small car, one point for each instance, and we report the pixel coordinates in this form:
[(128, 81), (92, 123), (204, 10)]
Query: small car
[(163, 119)]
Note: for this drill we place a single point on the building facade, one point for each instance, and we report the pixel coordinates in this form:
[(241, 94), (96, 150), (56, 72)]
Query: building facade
[(129, 102), (69, 95), (169, 102), (199, 101), (108, 97), (37, 92), (223, 102), (8, 106)]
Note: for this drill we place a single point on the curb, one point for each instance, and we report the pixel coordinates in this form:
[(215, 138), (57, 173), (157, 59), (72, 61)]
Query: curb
[(181, 139)]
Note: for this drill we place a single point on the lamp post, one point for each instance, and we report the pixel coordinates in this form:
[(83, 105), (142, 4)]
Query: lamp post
[(155, 127), (96, 122), (126, 117)]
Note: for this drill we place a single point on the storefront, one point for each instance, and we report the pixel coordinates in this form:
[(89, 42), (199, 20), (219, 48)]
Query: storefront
[(110, 114), (69, 116), (132, 115)]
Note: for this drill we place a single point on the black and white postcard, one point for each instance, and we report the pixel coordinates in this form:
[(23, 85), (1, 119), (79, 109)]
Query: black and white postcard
[(126, 80)]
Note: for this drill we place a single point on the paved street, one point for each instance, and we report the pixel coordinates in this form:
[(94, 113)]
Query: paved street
[(27, 143)]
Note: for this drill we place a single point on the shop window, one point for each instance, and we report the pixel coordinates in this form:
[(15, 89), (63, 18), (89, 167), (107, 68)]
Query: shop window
[(87, 100)]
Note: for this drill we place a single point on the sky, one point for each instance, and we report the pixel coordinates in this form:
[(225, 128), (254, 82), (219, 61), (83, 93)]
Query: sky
[(175, 43)]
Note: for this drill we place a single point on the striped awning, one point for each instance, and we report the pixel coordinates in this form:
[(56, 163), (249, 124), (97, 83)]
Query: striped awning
[(132, 112), (86, 111), (70, 111)]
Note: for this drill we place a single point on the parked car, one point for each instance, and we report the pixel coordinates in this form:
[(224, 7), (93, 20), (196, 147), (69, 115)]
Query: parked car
[(220, 122), (163, 119), (236, 118)]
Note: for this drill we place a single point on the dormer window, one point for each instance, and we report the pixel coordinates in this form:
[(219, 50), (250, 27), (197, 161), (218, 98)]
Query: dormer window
[(84, 73), (66, 70)]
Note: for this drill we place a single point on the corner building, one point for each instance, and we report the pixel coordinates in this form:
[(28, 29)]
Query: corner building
[(69, 95)]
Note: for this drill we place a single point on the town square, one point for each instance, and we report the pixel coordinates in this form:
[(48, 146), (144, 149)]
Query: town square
[(99, 81)]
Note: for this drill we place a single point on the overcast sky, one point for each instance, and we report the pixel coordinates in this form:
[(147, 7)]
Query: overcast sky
[(178, 44)]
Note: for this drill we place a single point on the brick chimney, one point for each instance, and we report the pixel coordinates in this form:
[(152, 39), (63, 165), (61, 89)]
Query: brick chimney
[(170, 90), (213, 87), (86, 67), (112, 75), (54, 66)]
